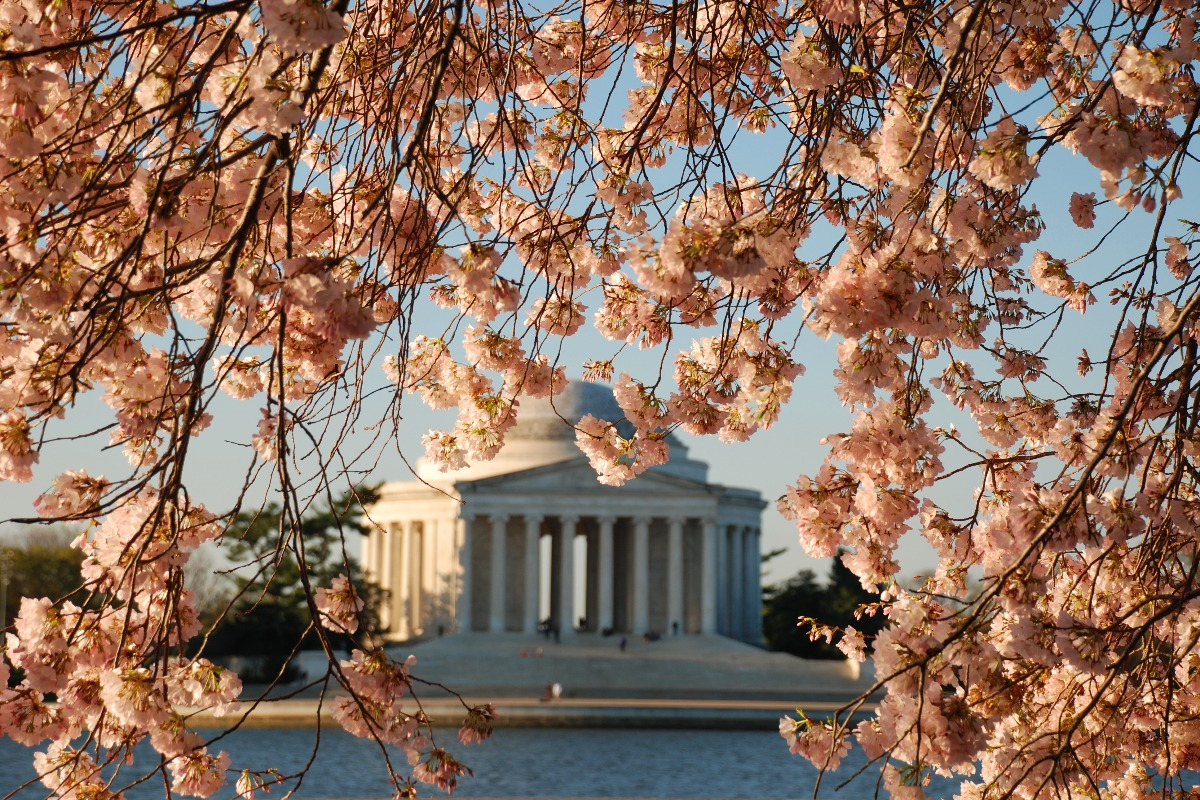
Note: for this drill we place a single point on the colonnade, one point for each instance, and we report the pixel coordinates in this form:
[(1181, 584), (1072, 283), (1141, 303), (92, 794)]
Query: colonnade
[(415, 562), (518, 572)]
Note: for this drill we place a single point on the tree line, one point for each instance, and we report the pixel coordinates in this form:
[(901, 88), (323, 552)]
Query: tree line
[(804, 615), (257, 613)]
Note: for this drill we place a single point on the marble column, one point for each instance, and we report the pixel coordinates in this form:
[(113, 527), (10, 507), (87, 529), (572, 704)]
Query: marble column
[(604, 575), (566, 575), (709, 577), (674, 574), (724, 595), (386, 561), (430, 616), (412, 558), (641, 576), (498, 590), (404, 575), (737, 574), (463, 524), (369, 547), (752, 628), (401, 603), (533, 530), (449, 567)]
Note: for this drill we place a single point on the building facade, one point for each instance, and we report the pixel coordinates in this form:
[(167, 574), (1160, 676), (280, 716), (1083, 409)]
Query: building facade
[(531, 540)]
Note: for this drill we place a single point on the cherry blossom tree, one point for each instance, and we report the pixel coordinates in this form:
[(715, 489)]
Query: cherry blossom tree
[(263, 199)]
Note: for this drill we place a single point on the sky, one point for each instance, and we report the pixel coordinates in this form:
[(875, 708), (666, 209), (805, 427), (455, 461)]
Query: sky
[(768, 462)]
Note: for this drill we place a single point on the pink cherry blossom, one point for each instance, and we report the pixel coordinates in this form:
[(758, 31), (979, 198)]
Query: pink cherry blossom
[(1142, 75), (437, 767), (1083, 209), (302, 25), (338, 606), (852, 644), (818, 742), (249, 782), (198, 773), (1002, 162), (332, 210), (202, 684), (478, 725), (1050, 275), (71, 774), (134, 696), (17, 454)]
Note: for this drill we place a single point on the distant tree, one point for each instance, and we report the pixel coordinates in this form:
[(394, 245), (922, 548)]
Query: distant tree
[(270, 616), (796, 609), (847, 602), (207, 576), (802, 595), (40, 562)]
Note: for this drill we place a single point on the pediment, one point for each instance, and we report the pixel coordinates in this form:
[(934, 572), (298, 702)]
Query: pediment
[(577, 475)]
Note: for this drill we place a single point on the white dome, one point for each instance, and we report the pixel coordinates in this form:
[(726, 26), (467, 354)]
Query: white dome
[(544, 434)]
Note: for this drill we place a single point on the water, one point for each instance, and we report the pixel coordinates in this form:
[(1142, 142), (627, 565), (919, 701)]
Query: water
[(525, 762)]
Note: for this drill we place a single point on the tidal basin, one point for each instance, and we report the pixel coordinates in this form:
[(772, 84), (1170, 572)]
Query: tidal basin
[(527, 762), (690, 716)]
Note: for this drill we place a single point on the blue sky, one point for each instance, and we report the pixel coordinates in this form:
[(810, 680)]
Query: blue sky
[(769, 462)]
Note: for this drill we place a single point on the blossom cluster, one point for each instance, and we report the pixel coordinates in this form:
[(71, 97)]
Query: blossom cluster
[(307, 206)]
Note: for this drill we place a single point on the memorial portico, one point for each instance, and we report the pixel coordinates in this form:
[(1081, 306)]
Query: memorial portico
[(532, 537)]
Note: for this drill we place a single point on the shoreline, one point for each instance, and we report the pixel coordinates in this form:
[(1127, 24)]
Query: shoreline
[(527, 712)]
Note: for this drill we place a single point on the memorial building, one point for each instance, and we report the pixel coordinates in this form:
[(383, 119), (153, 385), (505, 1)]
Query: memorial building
[(531, 541)]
